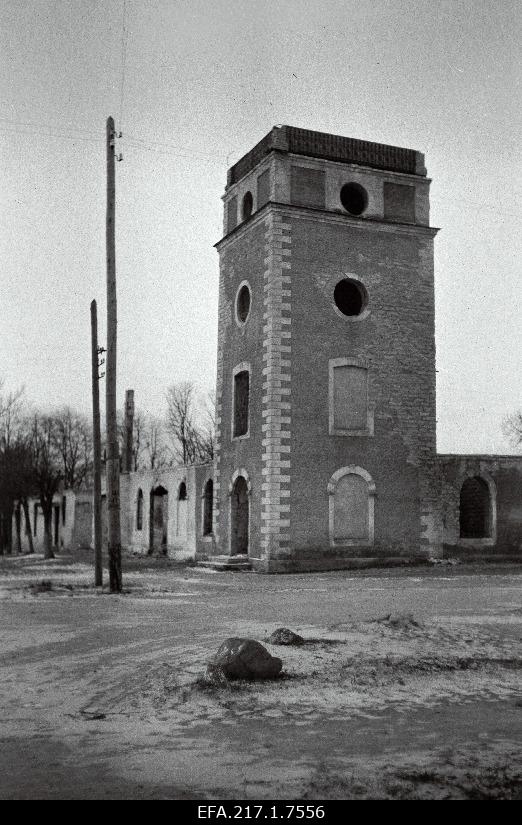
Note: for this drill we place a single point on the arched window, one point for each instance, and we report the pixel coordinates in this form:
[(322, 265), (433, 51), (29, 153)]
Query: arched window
[(241, 401), (475, 509), (208, 496), (351, 510), (181, 511), (139, 510), (239, 491)]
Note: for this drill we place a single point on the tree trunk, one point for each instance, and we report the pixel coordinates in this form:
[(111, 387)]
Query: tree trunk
[(9, 533), (48, 533), (28, 531), (18, 527)]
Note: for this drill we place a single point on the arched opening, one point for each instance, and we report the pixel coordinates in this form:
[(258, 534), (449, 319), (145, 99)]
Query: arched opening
[(139, 510), (158, 520), (475, 509), (208, 500), (239, 516), (181, 511)]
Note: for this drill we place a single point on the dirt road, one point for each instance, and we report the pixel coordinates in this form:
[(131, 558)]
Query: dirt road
[(102, 695)]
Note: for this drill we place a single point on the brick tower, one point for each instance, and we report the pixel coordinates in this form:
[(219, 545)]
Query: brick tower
[(326, 453)]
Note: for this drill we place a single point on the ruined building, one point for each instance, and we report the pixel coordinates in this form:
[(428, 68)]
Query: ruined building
[(326, 442), (326, 430)]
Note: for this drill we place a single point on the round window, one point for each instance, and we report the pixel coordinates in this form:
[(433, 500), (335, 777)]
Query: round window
[(354, 198), (243, 301), (350, 297), (247, 205)]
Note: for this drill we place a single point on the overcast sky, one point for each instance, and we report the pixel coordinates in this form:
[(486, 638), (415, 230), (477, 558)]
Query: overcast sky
[(193, 85)]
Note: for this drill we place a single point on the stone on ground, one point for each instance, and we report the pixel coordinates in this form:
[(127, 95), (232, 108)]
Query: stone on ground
[(400, 621), (239, 658), (284, 636)]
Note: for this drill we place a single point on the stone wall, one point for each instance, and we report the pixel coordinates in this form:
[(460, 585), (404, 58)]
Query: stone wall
[(182, 518), (503, 475)]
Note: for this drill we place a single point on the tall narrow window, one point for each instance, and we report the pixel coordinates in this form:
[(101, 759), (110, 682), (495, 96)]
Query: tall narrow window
[(35, 518), (241, 402), (139, 510), (64, 508), (181, 511), (349, 412), (207, 507)]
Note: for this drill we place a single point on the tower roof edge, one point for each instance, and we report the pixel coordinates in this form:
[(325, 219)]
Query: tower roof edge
[(329, 147)]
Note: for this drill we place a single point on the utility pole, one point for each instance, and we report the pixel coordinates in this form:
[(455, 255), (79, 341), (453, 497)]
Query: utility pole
[(113, 457), (95, 351)]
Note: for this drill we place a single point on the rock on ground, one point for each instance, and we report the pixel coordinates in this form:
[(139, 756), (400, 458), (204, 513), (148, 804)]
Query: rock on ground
[(239, 658), (284, 636)]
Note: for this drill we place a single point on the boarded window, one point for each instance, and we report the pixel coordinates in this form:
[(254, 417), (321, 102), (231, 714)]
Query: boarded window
[(241, 399), (351, 509), (263, 189), (307, 187), (207, 507), (475, 509), (232, 214), (139, 511), (350, 398), (399, 202)]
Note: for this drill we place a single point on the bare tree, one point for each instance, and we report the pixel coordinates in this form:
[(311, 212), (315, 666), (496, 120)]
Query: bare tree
[(72, 439), (155, 448), (191, 429), (15, 480), (512, 428), (46, 470)]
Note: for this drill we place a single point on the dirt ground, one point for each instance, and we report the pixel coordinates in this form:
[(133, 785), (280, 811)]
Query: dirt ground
[(102, 695)]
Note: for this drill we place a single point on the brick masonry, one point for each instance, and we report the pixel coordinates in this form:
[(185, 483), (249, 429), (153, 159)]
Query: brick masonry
[(298, 243)]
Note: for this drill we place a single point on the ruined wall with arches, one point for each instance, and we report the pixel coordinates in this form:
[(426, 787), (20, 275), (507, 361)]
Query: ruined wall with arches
[(167, 512), (481, 505)]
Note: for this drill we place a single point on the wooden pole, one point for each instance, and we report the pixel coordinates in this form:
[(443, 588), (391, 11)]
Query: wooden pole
[(113, 457), (98, 571)]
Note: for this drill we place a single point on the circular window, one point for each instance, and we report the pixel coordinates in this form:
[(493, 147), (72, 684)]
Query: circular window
[(243, 301), (350, 297), (247, 205), (354, 198)]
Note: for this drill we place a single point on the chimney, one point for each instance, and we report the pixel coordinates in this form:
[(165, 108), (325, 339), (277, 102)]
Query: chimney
[(129, 426)]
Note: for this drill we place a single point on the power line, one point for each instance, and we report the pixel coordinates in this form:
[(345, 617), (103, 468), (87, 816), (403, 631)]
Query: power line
[(32, 125), (174, 146)]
